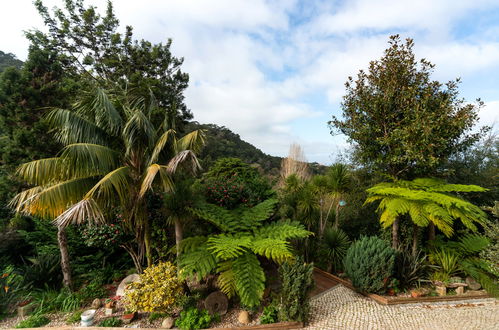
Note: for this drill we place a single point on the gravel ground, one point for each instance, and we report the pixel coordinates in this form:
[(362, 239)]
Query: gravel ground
[(341, 308)]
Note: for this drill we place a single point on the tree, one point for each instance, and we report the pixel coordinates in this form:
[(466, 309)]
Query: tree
[(401, 122), (8, 60), (426, 201), (112, 155), (91, 46), (233, 252)]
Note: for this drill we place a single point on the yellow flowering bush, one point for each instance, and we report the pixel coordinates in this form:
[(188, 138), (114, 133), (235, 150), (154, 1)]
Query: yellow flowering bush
[(156, 291)]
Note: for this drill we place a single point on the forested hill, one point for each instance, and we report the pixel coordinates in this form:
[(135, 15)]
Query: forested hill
[(8, 59), (222, 142)]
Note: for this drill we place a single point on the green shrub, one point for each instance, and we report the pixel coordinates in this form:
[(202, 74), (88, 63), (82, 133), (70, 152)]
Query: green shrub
[(50, 300), (92, 290), (368, 262), (194, 318), (410, 269), (34, 321), (157, 290), (269, 314), (297, 282), (11, 287), (74, 317), (111, 322)]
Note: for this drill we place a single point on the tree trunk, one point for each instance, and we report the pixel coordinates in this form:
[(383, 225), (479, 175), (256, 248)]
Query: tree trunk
[(395, 234), (431, 232), (415, 232), (65, 266), (178, 235), (337, 215)]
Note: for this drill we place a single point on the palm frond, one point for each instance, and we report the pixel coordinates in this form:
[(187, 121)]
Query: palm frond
[(193, 141), (98, 106), (85, 211), (86, 158), (138, 132), (115, 182), (160, 145), (150, 175), (43, 171), (181, 158)]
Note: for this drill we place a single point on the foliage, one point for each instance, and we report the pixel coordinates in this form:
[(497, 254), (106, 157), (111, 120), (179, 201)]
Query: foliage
[(491, 252), (111, 322), (156, 316), (297, 283), (90, 46), (269, 314), (43, 270), (426, 201), (234, 252), (33, 321), (194, 318), (50, 300), (74, 317), (92, 290), (410, 269), (333, 247), (11, 287), (107, 235), (400, 121), (157, 290), (9, 60), (231, 183), (369, 261)]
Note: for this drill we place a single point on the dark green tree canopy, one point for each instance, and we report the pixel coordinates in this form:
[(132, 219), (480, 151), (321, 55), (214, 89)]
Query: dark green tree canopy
[(90, 45), (400, 121)]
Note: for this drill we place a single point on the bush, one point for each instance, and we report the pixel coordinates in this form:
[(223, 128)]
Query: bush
[(11, 286), (50, 300), (34, 321), (297, 282), (157, 290), (368, 262), (111, 322), (269, 315), (92, 290), (193, 318), (410, 269)]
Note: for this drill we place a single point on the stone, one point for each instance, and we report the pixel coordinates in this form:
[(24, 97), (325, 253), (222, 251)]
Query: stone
[(167, 323), (109, 311), (456, 279), (25, 310), (216, 302), (441, 290), (460, 290), (243, 317), (127, 280), (472, 284), (96, 303)]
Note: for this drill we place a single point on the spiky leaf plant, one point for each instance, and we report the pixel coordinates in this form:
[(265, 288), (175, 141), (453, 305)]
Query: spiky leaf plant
[(333, 247), (233, 252), (426, 201)]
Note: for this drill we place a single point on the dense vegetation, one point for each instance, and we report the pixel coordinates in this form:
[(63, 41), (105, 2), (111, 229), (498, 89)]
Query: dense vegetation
[(104, 174)]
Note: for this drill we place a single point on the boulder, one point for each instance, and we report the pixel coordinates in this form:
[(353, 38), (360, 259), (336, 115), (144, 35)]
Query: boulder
[(127, 280), (167, 323), (96, 303), (472, 284), (460, 290), (216, 302), (243, 317), (441, 290)]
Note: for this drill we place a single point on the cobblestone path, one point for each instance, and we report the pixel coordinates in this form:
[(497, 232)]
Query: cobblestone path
[(341, 308)]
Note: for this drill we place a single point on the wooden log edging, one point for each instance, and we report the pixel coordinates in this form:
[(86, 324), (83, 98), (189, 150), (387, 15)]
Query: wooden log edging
[(402, 300)]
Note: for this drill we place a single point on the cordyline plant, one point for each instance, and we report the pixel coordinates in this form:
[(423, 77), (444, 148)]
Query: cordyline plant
[(114, 151), (233, 252)]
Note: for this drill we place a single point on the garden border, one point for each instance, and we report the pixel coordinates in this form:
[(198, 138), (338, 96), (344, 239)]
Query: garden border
[(403, 300), (280, 325)]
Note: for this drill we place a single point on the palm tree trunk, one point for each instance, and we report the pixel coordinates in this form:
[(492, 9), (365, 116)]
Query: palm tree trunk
[(65, 266), (431, 232), (178, 235), (337, 215), (415, 232), (395, 234)]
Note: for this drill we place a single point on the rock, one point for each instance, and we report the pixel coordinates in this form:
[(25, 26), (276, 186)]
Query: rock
[(127, 280), (472, 284), (243, 317), (460, 290), (96, 304), (216, 302), (441, 290), (167, 323)]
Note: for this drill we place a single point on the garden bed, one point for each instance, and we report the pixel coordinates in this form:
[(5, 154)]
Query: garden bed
[(394, 300)]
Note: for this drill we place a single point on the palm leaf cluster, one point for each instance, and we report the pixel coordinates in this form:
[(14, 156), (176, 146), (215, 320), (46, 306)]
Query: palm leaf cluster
[(234, 252), (427, 201), (113, 153)]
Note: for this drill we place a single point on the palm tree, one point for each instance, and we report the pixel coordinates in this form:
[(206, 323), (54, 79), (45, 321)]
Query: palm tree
[(339, 181), (426, 201), (113, 153)]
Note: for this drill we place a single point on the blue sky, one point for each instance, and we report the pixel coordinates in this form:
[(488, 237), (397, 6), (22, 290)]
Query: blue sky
[(273, 71)]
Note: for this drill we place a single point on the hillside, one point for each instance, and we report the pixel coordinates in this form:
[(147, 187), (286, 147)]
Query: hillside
[(7, 60)]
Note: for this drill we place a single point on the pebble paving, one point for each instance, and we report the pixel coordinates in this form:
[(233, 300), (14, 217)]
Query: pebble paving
[(342, 308)]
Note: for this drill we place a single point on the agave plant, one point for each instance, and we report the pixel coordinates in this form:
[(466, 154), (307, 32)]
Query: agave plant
[(113, 151)]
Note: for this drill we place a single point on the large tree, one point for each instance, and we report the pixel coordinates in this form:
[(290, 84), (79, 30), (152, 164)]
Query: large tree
[(400, 121), (112, 154), (91, 45)]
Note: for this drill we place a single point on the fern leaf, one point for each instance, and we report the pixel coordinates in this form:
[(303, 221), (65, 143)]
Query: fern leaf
[(199, 263), (227, 246), (283, 230), (250, 279), (253, 216), (271, 248), (218, 216), (190, 244), (226, 280)]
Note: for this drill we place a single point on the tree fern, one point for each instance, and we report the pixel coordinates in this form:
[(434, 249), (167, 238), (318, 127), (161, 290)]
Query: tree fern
[(249, 279), (199, 262)]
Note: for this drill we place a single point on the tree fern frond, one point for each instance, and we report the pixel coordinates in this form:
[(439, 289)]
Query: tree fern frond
[(218, 216), (226, 280), (271, 248), (199, 263), (282, 230), (190, 244), (251, 217), (250, 279), (473, 243), (227, 246)]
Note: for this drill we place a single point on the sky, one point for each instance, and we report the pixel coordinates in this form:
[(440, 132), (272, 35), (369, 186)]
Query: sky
[(274, 71)]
